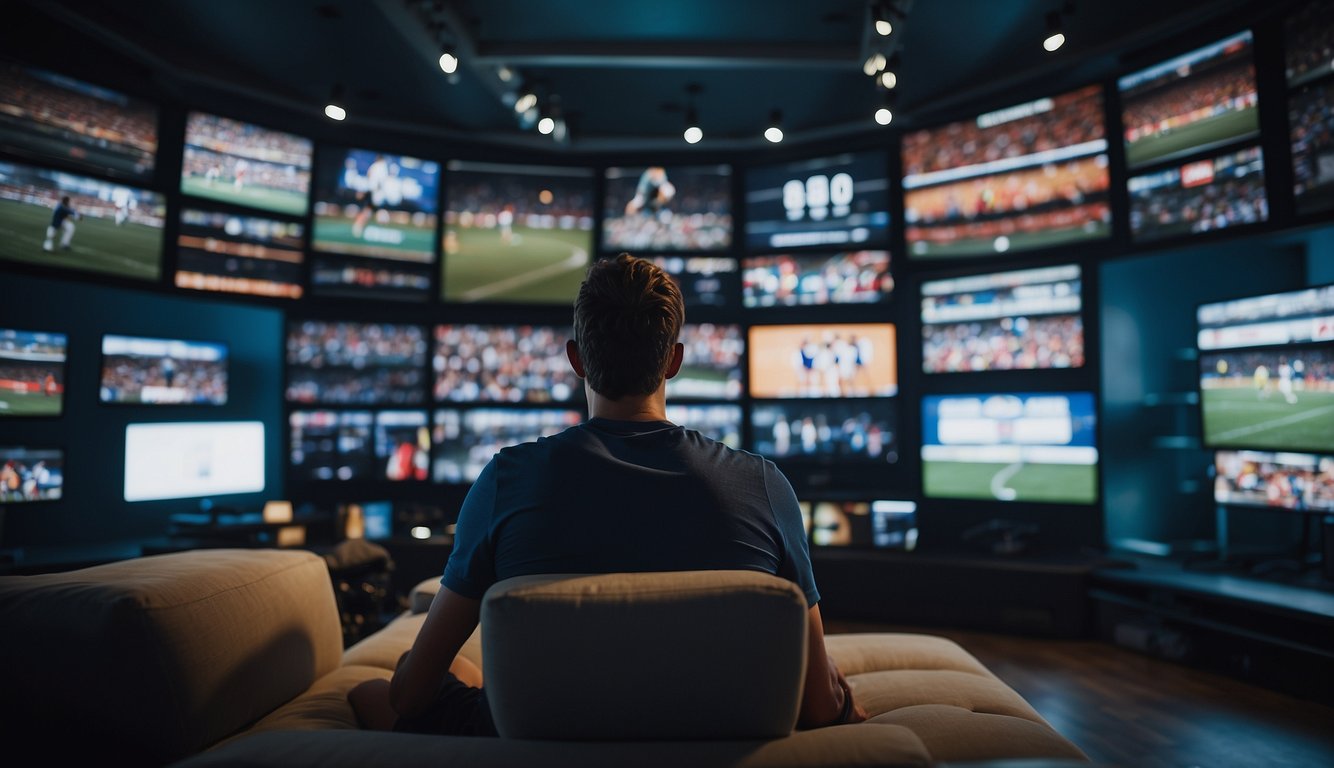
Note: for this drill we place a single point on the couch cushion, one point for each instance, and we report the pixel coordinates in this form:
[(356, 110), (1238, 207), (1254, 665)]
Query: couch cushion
[(953, 734), (681, 656), (165, 654), (384, 648)]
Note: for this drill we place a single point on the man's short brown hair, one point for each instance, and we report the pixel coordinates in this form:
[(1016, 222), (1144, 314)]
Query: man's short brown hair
[(627, 318)]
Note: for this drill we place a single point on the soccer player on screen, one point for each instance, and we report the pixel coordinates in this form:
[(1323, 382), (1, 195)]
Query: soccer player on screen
[(1285, 381), (120, 196), (239, 172), (63, 220), (373, 196), (653, 192)]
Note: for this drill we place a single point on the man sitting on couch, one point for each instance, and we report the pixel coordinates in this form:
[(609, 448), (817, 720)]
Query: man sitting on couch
[(626, 491)]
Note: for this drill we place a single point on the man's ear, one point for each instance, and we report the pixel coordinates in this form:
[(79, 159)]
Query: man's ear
[(572, 352), (678, 354)]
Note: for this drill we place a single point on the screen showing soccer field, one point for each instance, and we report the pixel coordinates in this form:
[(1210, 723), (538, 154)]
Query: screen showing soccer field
[(356, 363), (376, 205), (503, 364), (1298, 481), (843, 360), (466, 440), (1027, 447), (705, 281), (516, 234), (1200, 196), (716, 422), (402, 445), (32, 372), (1190, 103), (791, 280), (185, 460), (1310, 76), (826, 431), (830, 202), (59, 220), (50, 118), (1029, 176), (878, 524), (228, 253), (30, 474), (710, 363), (331, 445), (662, 208), (1025, 319), (163, 371), (244, 164)]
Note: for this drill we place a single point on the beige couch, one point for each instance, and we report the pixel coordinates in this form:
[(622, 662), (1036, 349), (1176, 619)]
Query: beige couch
[(234, 657)]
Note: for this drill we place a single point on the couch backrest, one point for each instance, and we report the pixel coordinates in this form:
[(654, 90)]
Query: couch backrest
[(668, 656), (161, 656)]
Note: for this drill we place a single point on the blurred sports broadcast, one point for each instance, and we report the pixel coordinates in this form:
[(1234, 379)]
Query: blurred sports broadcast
[(830, 202), (56, 219), (832, 360), (1019, 320), (503, 364), (356, 363), (163, 371), (331, 445), (711, 362), (516, 233), (826, 431), (239, 254), (377, 205), (31, 474), (789, 280), (667, 209), (1309, 37), (879, 524), (46, 116), (1201, 99), (402, 445), (716, 422), (1297, 481), (1201, 196), (466, 440), (243, 164), (32, 373), (1039, 447), (1267, 371), (705, 281), (1029, 176)]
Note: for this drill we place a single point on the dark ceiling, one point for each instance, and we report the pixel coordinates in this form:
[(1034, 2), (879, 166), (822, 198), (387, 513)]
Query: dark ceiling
[(620, 70)]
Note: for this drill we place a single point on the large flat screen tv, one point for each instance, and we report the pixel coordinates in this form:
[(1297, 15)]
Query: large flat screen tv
[(667, 208), (705, 281), (32, 372), (826, 360), (711, 362), (466, 440), (355, 363), (1301, 482), (29, 474), (878, 524), (163, 371), (828, 202), (184, 460), (503, 364), (1200, 196), (244, 164), (331, 445), (1310, 76), (826, 431), (790, 280), (230, 253), (402, 445)]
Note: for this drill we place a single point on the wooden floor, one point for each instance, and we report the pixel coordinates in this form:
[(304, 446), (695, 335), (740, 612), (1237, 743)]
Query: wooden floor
[(1126, 709)]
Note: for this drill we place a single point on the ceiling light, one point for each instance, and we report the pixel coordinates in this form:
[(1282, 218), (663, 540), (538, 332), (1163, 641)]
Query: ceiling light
[(883, 27), (889, 79), (449, 63), (525, 102), (874, 63), (505, 74), (1055, 36), (333, 110), (774, 132), (883, 116), (880, 13), (693, 134), (545, 126)]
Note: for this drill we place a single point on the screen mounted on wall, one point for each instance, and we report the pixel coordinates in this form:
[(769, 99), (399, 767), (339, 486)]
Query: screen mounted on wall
[(32, 372), (231, 253), (163, 371), (661, 208), (829, 202), (244, 164)]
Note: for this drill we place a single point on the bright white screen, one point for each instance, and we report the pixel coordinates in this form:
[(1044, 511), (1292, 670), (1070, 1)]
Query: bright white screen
[(185, 460)]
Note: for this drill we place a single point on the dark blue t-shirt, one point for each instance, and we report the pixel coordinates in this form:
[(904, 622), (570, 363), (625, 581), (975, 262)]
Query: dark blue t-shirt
[(627, 496)]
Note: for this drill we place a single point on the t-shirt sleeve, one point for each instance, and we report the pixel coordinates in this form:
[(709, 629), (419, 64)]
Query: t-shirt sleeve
[(471, 568), (796, 564)]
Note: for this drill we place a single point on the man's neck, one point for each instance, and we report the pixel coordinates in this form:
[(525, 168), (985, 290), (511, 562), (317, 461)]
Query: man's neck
[(651, 407)]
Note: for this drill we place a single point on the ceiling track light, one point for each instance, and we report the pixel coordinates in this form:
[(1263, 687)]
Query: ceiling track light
[(1055, 37), (884, 113), (882, 16), (449, 63), (774, 133), (334, 110), (693, 133)]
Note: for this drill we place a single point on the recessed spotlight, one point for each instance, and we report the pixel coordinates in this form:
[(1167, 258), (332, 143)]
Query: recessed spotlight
[(545, 126), (883, 27), (693, 134), (1055, 35), (449, 63), (889, 79), (883, 116), (774, 132), (335, 112)]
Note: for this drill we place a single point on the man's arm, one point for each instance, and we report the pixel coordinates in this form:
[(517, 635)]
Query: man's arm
[(448, 625), (826, 695)]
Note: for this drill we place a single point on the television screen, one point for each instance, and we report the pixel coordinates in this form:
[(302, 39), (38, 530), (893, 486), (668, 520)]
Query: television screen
[(51, 118), (1297, 481), (711, 363), (1200, 196), (56, 219), (503, 364), (467, 439), (377, 519), (879, 524), (827, 431), (1029, 176), (243, 164), (32, 373), (31, 474), (846, 360), (402, 445), (516, 233), (1267, 371), (239, 254), (1020, 320), (837, 201), (1195, 101), (356, 363), (705, 281), (183, 460), (716, 422), (1310, 75), (377, 205), (667, 209), (1010, 447), (329, 445), (787, 280), (163, 371)]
